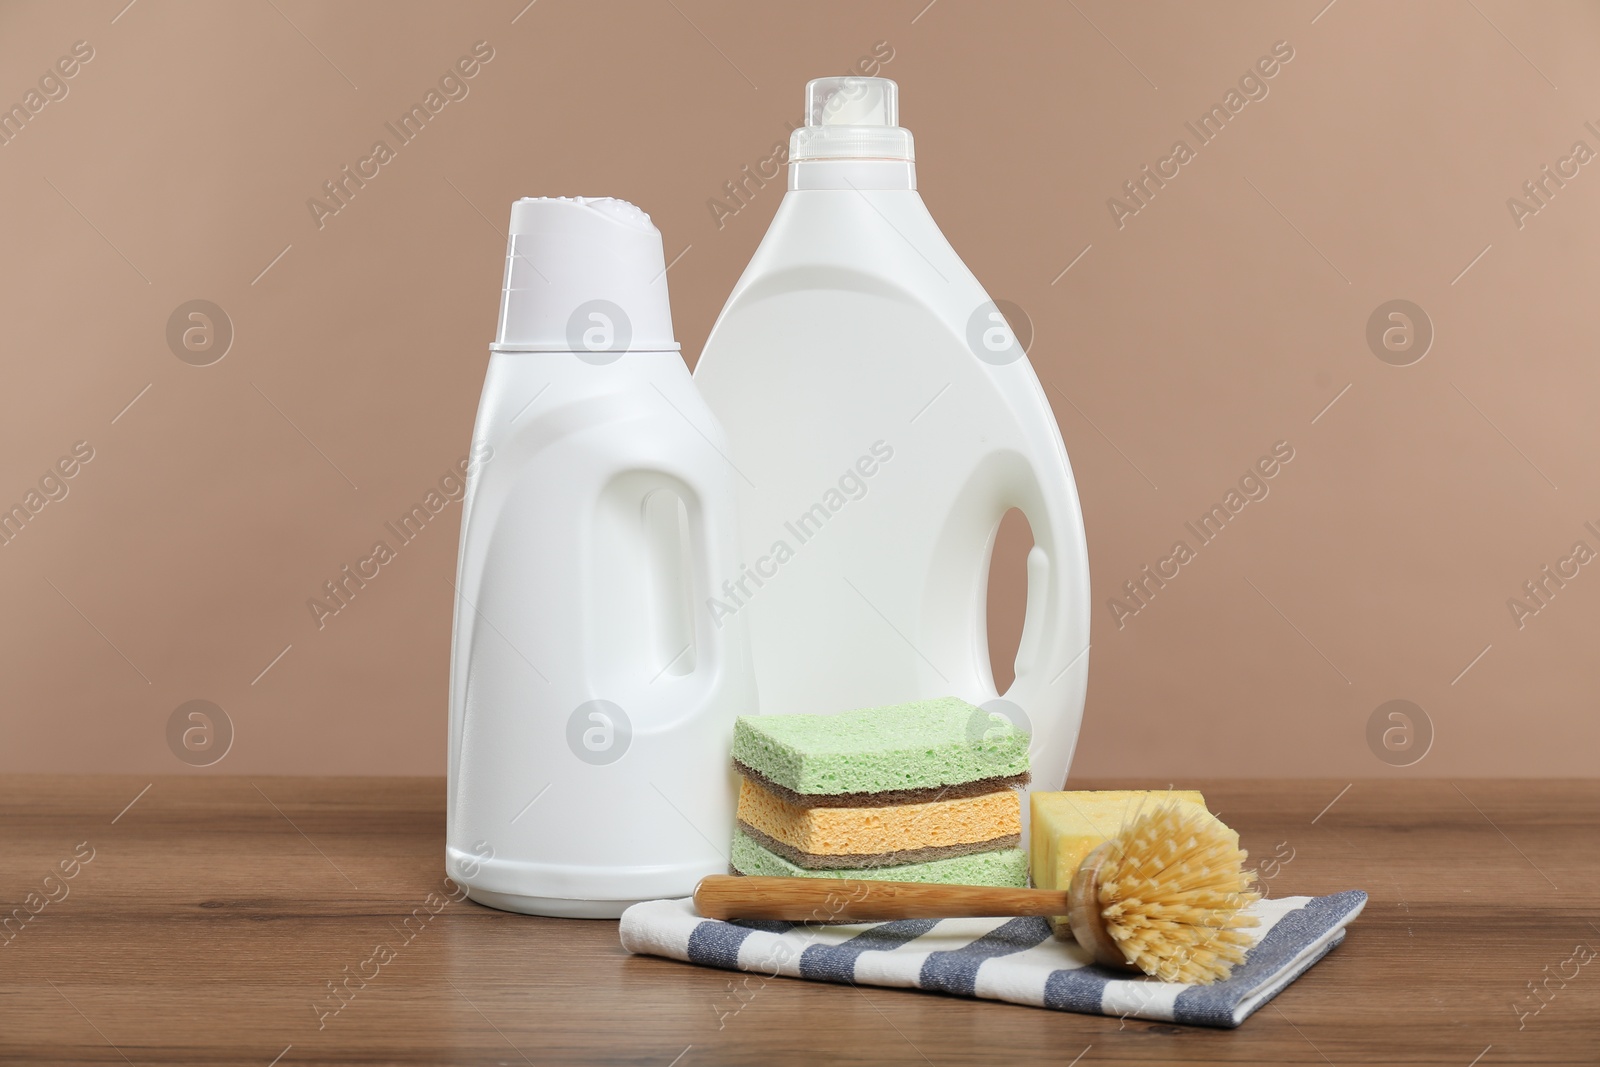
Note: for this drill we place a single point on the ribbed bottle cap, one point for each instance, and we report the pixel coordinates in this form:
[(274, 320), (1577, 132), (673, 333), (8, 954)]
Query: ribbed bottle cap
[(851, 118), (586, 275)]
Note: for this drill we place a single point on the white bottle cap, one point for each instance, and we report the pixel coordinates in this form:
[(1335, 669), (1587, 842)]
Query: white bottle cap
[(851, 118), (586, 275)]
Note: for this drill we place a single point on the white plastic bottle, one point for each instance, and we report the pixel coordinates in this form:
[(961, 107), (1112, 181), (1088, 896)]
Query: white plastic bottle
[(592, 697), (884, 419)]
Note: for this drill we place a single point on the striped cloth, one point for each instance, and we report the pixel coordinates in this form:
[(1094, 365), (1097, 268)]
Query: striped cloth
[(1015, 960)]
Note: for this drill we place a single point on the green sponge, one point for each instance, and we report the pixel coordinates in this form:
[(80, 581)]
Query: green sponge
[(1002, 867), (926, 744)]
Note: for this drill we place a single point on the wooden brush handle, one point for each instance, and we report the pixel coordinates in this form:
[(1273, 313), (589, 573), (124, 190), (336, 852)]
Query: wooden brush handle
[(722, 896)]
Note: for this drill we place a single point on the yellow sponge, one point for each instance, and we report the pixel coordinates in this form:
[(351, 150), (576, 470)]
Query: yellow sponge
[(1067, 826), (836, 837)]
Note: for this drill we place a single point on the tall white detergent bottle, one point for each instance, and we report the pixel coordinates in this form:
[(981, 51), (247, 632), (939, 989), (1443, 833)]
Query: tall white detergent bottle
[(592, 695), (884, 418)]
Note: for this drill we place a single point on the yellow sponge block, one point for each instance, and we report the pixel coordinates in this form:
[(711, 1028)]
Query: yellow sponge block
[(822, 837), (1067, 826)]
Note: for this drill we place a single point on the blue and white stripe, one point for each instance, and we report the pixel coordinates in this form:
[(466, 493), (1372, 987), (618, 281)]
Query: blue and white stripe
[(1015, 960)]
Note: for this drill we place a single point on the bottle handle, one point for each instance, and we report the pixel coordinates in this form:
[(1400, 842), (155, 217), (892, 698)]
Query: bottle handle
[(1052, 659), (701, 545)]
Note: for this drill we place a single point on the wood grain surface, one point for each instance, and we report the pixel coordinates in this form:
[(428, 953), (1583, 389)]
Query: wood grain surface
[(213, 913)]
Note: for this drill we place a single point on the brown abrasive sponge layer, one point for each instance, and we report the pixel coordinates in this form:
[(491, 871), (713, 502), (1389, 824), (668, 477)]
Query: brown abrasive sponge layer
[(888, 797), (867, 861)]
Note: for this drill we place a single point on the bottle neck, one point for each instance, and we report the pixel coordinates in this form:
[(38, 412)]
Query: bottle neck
[(859, 174)]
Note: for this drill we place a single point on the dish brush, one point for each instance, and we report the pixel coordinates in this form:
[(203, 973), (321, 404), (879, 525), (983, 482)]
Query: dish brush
[(1165, 896)]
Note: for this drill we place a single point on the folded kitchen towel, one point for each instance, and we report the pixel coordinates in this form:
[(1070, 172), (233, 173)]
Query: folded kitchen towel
[(1015, 960)]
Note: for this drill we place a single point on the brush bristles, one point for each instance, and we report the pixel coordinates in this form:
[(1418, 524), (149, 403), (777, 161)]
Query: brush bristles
[(1171, 890)]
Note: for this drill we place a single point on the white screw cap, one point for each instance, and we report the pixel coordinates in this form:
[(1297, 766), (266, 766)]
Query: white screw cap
[(851, 118), (586, 275)]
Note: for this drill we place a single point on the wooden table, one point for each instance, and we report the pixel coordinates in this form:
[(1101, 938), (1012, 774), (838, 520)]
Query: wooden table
[(215, 912)]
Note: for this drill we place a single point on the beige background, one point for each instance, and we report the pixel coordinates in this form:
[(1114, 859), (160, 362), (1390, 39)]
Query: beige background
[(1227, 315)]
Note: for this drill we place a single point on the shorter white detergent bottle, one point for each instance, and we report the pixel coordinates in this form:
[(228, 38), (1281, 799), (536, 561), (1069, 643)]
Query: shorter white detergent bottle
[(592, 696), (885, 417)]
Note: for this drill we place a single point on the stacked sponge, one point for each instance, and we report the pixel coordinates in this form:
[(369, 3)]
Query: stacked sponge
[(919, 792)]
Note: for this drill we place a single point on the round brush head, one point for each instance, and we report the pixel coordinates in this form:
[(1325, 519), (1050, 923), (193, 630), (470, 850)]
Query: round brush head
[(1165, 896)]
